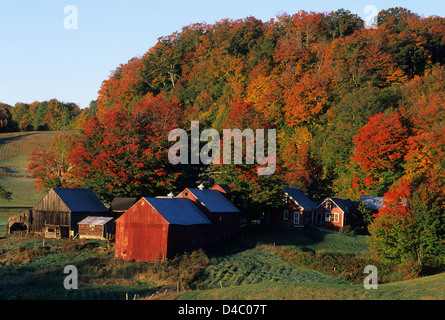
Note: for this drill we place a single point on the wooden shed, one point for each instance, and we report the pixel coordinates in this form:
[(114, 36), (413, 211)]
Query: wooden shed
[(223, 215), (96, 228), (159, 228), (61, 209)]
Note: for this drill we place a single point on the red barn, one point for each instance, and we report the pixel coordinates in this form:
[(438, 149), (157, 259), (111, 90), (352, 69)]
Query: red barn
[(159, 228), (223, 215)]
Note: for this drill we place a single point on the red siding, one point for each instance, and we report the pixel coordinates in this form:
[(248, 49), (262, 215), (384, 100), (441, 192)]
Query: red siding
[(224, 225), (141, 234), (186, 238)]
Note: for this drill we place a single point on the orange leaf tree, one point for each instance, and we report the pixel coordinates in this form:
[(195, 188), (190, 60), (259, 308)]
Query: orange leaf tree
[(52, 168)]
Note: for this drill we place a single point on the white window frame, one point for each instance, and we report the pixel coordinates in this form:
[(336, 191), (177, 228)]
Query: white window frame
[(296, 217), (327, 216), (332, 217), (285, 214)]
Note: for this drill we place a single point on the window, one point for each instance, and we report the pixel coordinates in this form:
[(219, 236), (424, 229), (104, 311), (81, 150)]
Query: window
[(332, 217), (296, 217), (285, 214), (328, 205)]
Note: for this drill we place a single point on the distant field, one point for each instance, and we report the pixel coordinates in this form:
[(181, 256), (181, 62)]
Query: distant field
[(15, 149), (315, 240)]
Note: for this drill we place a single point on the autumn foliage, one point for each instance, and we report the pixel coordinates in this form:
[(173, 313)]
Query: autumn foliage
[(124, 152), (357, 111), (381, 146)]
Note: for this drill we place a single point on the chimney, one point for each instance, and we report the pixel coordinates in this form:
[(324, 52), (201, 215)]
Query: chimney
[(171, 195), (201, 187)]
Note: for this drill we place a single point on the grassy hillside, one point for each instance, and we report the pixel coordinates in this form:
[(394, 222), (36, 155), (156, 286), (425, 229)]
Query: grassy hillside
[(257, 266), (31, 268), (15, 149), (426, 288)]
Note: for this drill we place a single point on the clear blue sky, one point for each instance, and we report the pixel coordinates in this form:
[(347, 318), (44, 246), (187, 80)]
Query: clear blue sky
[(40, 59)]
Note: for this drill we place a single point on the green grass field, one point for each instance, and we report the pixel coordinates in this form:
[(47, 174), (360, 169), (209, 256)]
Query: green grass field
[(425, 288), (32, 268), (315, 240), (256, 266), (15, 150)]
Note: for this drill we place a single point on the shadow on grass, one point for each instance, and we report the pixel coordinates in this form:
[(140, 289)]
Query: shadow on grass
[(250, 238), (14, 208), (19, 136)]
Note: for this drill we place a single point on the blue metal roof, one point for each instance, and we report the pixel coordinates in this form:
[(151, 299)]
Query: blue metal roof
[(179, 211), (80, 200), (300, 198), (214, 200), (373, 203)]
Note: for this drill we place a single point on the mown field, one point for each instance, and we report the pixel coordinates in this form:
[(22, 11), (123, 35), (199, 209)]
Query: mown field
[(425, 288), (32, 268), (15, 150)]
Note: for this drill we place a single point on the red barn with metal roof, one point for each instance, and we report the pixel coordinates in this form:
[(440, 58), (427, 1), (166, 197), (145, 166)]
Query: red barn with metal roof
[(223, 215), (159, 228)]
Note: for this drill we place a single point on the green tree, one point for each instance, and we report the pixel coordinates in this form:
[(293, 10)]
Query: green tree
[(334, 145), (410, 226), (396, 18), (342, 23), (4, 193)]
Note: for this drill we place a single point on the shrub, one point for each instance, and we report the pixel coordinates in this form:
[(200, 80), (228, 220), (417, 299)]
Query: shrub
[(347, 267)]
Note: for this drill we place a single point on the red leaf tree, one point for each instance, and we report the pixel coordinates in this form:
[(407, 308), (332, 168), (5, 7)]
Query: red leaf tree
[(380, 148), (125, 152)]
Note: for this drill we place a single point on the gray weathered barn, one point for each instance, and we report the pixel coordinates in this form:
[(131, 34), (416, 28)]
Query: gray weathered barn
[(61, 209)]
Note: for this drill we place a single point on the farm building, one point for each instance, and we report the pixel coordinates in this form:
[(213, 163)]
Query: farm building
[(120, 205), (335, 213), (296, 211), (223, 215), (159, 228), (224, 189), (372, 203), (96, 228), (61, 209), (20, 223)]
